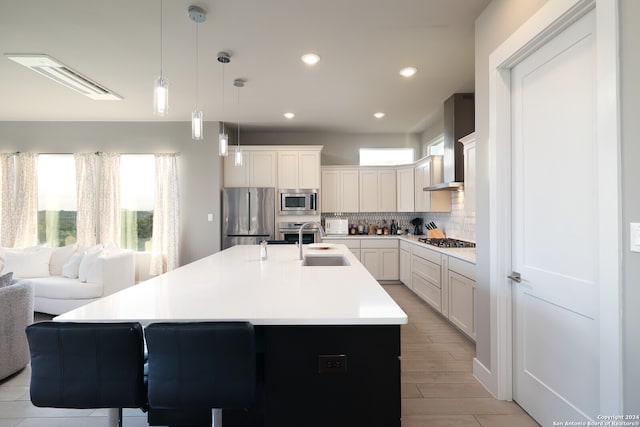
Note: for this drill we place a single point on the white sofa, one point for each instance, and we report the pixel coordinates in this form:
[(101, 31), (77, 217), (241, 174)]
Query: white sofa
[(101, 272)]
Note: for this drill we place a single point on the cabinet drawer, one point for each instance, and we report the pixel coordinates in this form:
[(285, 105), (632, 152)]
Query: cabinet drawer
[(427, 270), (464, 268), (350, 243), (405, 246), (384, 243), (428, 254), (427, 291)]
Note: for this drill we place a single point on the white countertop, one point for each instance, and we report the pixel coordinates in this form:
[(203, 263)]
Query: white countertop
[(465, 254), (234, 285)]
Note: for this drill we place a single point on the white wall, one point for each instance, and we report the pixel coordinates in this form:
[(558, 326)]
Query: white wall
[(630, 91), (496, 23), (199, 166), (339, 148)]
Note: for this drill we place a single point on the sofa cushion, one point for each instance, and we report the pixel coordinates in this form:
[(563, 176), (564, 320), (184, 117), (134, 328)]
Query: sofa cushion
[(71, 268), (59, 258), (59, 287), (27, 263), (88, 261), (5, 279)]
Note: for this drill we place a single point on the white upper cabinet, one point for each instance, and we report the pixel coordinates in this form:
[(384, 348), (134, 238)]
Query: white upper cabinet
[(429, 172), (405, 189), (340, 191), (258, 169), (299, 169), (469, 142), (377, 190)]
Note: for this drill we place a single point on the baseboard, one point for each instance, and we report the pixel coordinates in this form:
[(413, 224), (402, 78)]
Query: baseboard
[(484, 377)]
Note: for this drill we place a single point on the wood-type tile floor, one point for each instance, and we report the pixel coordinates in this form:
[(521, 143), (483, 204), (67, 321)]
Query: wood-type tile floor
[(438, 389)]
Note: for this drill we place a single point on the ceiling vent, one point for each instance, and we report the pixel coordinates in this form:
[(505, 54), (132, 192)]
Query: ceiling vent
[(60, 73)]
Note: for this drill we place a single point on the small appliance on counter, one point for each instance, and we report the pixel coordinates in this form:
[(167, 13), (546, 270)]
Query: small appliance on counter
[(336, 226), (417, 226)]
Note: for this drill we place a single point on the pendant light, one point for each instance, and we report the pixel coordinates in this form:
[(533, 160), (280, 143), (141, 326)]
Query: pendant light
[(237, 160), (161, 84), (223, 138), (197, 15)]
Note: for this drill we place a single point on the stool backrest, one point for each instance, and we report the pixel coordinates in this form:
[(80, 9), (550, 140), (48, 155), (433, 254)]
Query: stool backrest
[(201, 365), (87, 365)]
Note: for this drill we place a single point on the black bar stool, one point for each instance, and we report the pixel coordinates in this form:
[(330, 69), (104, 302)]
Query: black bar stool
[(200, 366), (87, 365)]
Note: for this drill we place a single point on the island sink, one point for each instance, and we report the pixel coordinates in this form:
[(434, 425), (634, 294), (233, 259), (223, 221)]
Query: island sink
[(325, 261)]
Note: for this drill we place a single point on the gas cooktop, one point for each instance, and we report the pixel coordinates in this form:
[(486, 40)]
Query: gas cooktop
[(447, 243)]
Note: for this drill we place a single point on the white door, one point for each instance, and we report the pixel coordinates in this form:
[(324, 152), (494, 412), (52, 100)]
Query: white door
[(555, 217)]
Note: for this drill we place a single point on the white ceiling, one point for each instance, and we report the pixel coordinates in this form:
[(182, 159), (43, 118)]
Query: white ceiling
[(363, 44)]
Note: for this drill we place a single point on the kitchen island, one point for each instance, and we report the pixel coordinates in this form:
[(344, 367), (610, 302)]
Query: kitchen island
[(328, 337)]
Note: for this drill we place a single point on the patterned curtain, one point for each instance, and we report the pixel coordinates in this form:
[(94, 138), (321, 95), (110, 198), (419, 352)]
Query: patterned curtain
[(109, 199), (7, 187), (26, 200), (166, 216), (86, 188)]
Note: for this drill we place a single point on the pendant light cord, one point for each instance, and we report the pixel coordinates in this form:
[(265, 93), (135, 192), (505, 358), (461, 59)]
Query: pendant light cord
[(161, 46), (222, 88), (196, 66)]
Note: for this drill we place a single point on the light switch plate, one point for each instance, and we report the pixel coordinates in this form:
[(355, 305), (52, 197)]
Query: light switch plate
[(634, 236), (210, 217)]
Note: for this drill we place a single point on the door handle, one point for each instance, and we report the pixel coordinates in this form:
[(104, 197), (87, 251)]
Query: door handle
[(515, 276)]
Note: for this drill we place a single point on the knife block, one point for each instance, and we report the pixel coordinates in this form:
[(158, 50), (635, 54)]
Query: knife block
[(435, 234)]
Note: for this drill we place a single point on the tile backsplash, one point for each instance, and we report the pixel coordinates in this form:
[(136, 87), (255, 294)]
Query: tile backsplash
[(457, 224)]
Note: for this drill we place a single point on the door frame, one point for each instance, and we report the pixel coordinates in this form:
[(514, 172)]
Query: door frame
[(552, 18)]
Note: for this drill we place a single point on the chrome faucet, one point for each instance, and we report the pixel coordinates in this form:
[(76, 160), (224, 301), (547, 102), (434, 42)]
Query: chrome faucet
[(322, 233)]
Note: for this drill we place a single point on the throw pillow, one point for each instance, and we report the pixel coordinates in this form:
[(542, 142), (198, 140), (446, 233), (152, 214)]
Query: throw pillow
[(30, 262), (5, 279), (89, 258), (72, 267), (59, 258)]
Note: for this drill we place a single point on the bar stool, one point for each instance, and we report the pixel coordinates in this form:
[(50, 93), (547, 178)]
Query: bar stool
[(198, 366), (87, 365)]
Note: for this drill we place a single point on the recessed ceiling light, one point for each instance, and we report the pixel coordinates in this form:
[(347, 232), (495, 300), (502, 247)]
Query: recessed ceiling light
[(408, 71), (378, 115), (310, 58), (289, 115)]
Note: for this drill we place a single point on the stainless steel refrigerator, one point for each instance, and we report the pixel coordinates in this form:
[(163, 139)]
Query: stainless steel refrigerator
[(248, 216)]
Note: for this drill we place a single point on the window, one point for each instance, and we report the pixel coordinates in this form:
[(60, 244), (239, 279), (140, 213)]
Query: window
[(137, 188), (57, 199), (436, 146), (386, 156)]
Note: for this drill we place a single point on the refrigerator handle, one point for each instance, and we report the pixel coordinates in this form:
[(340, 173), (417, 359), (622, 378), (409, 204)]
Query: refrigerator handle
[(249, 216)]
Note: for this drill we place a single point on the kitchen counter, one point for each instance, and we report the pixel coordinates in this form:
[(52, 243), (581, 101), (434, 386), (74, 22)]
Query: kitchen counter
[(465, 254), (235, 285), (327, 337)]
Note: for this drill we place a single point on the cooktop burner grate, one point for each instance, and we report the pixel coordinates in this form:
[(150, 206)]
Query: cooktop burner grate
[(447, 243)]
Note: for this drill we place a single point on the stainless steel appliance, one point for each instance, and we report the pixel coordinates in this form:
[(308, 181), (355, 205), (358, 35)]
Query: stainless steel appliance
[(447, 243), (248, 216), (299, 202), (289, 232)]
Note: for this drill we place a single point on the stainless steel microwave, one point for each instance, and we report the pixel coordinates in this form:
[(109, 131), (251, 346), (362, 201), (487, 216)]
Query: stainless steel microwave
[(299, 202)]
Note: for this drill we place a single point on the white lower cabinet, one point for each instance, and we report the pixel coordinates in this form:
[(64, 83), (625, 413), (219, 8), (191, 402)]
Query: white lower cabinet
[(352, 244), (461, 300), (444, 282), (405, 263), (380, 257), (462, 295), (426, 277)]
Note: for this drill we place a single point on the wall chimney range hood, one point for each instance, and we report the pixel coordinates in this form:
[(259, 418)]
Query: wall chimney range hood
[(459, 121)]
